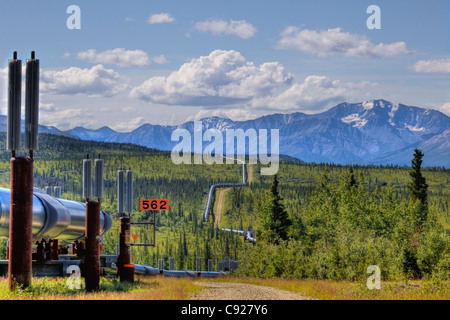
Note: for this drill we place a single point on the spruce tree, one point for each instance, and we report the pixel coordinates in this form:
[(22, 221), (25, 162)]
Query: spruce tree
[(418, 187), (274, 219), (352, 180)]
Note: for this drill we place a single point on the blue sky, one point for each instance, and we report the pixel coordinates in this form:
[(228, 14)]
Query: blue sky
[(165, 62)]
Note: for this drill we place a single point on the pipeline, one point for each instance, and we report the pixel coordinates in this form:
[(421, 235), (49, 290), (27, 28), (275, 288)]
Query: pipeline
[(149, 270), (247, 235), (223, 185), (52, 217)]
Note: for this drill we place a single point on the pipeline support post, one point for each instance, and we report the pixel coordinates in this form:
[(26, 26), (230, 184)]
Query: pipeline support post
[(54, 250), (20, 223), (92, 238), (21, 178), (125, 268)]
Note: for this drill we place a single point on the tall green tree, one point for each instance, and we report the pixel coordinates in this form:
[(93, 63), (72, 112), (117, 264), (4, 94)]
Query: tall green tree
[(418, 188), (273, 217)]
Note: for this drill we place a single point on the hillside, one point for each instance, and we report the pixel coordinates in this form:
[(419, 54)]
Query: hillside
[(370, 132), (181, 232)]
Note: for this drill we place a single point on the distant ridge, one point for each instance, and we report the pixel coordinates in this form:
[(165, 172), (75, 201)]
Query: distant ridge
[(370, 132)]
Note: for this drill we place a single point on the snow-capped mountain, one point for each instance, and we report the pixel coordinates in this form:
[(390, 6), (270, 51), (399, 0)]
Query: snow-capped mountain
[(376, 131)]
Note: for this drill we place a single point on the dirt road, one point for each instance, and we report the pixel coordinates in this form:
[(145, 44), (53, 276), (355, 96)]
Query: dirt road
[(250, 174), (222, 195), (243, 291), (219, 207)]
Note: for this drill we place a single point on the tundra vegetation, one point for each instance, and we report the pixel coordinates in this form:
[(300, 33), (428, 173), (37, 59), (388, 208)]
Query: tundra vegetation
[(313, 221)]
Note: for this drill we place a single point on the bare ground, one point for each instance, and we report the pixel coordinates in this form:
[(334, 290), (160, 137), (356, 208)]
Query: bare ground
[(243, 291), (250, 174), (219, 206)]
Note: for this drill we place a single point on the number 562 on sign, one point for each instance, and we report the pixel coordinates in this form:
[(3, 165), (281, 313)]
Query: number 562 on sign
[(154, 204)]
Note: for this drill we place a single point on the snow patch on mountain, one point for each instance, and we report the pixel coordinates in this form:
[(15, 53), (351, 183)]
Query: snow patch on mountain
[(368, 104), (366, 132), (354, 117), (415, 128)]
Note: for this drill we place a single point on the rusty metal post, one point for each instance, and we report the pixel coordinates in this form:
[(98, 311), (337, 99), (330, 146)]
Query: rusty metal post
[(20, 223), (127, 273), (54, 252), (125, 268), (92, 276)]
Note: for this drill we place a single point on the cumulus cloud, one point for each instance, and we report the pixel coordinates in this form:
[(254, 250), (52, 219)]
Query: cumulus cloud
[(119, 57), (331, 42), (160, 18), (221, 78), (316, 93), (96, 81), (161, 59), (240, 28), (432, 66), (47, 107), (65, 118), (127, 126), (4, 74), (445, 108), (233, 114)]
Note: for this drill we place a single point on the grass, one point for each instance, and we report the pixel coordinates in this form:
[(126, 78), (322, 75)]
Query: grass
[(144, 288), (168, 288), (347, 290)]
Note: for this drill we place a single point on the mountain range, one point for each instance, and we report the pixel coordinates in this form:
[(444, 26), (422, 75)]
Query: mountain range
[(372, 132)]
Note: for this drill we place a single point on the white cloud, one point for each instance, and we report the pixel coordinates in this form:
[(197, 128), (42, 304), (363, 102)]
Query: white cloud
[(233, 114), (445, 108), (316, 93), (128, 126), (221, 78), (435, 66), (160, 18), (96, 81), (161, 59), (65, 118), (331, 42), (47, 107), (119, 57), (240, 28)]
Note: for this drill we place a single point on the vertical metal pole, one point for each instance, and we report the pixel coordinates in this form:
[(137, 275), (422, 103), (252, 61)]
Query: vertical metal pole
[(210, 265), (125, 269), (98, 177), (21, 182), (92, 276), (57, 191), (20, 223), (129, 192), (32, 103), (54, 252), (48, 189), (199, 264), (87, 178), (120, 192), (14, 104)]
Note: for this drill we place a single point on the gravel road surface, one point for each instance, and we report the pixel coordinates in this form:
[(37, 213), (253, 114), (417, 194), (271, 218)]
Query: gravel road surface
[(243, 291)]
